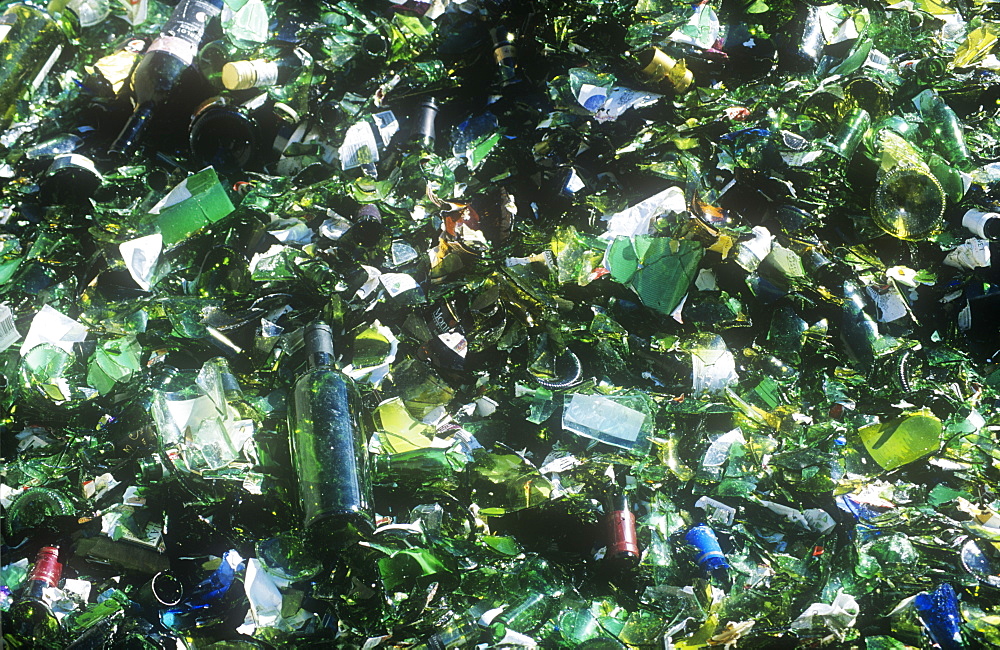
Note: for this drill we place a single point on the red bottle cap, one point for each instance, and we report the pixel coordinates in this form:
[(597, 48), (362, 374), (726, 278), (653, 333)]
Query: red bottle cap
[(47, 567), (622, 540)]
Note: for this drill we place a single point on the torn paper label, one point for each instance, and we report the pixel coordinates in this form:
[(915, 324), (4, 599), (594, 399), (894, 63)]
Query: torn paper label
[(637, 220), (50, 326), (8, 332), (592, 97), (364, 140), (973, 254), (141, 256), (620, 100)]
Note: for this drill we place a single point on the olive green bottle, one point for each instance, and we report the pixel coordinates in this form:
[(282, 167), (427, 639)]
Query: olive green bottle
[(329, 449), (31, 40)]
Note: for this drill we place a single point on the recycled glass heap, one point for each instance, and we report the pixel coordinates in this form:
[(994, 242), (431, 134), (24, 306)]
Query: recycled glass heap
[(672, 325)]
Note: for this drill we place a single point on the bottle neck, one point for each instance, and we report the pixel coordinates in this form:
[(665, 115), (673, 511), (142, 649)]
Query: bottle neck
[(255, 73), (319, 345), (45, 573), (423, 123), (127, 142), (505, 54), (982, 224)]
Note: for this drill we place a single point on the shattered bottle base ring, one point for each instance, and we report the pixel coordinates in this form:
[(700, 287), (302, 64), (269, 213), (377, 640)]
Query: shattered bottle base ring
[(909, 203)]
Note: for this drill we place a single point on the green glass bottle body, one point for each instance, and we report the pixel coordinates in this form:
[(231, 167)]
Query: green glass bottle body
[(460, 634), (329, 449), (31, 40), (945, 128)]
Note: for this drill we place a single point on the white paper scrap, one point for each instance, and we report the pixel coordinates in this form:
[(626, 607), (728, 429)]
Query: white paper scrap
[(141, 256), (50, 326), (636, 220)]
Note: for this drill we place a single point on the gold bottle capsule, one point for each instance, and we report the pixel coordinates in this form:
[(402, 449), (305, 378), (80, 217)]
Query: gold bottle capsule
[(655, 66)]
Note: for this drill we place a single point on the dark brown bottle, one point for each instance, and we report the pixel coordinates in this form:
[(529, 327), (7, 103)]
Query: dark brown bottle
[(156, 78)]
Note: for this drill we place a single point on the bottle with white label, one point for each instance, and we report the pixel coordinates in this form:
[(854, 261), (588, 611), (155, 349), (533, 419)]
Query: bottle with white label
[(31, 41), (157, 77)]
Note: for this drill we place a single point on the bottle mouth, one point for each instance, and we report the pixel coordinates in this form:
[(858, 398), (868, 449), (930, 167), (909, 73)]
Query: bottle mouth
[(127, 142), (569, 370), (165, 589), (336, 531)]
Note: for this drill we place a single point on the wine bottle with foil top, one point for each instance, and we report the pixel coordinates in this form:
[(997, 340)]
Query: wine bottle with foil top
[(31, 41), (623, 545), (505, 55), (659, 68), (266, 72), (329, 448), (158, 75), (30, 623), (514, 99)]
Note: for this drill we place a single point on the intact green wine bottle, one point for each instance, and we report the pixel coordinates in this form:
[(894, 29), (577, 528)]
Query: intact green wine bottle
[(31, 40), (329, 448)]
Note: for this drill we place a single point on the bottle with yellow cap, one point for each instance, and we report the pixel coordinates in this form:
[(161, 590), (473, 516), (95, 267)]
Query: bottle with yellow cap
[(284, 73), (266, 72)]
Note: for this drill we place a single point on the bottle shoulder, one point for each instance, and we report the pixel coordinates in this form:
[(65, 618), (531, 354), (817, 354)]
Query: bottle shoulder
[(324, 377)]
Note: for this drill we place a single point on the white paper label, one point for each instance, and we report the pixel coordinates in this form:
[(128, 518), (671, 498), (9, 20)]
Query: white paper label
[(973, 254), (620, 100), (592, 97), (889, 302), (360, 146), (965, 318), (8, 331), (397, 283), (788, 262), (800, 158), (600, 414), (181, 48)]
